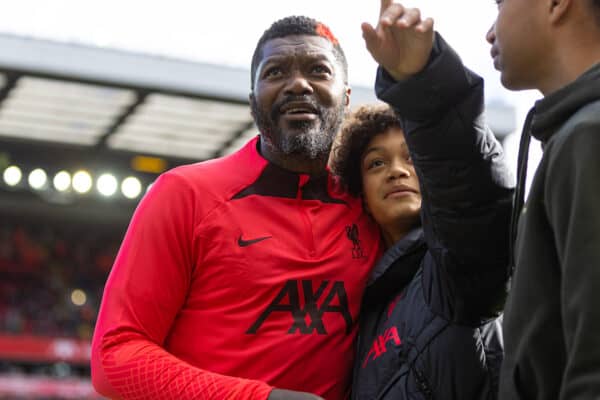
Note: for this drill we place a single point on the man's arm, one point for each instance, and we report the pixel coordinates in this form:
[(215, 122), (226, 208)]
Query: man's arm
[(145, 290), (572, 203), (466, 187)]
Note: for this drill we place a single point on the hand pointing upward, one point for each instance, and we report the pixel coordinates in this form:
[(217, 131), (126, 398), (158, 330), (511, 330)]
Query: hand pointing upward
[(402, 41)]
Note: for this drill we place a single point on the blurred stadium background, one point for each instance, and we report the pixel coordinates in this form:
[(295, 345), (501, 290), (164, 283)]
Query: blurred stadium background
[(84, 131)]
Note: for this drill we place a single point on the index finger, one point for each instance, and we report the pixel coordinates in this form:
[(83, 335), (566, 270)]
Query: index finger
[(384, 5)]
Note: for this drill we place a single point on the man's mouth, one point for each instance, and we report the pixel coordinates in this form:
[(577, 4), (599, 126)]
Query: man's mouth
[(299, 111)]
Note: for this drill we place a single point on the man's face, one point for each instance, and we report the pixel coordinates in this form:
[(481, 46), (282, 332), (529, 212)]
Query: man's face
[(299, 97), (520, 43)]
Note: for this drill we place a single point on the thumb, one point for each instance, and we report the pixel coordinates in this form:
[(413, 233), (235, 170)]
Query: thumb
[(370, 35)]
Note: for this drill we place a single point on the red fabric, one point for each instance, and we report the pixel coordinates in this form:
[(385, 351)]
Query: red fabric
[(181, 313)]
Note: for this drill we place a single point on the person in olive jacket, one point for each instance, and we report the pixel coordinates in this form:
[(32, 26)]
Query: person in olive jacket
[(552, 315)]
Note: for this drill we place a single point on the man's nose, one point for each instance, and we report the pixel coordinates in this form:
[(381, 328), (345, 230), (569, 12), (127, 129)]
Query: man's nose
[(491, 34), (298, 84)]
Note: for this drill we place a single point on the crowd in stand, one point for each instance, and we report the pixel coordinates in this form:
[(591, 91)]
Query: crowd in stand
[(41, 265)]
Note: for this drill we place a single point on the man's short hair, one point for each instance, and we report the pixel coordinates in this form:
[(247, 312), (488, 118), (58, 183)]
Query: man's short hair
[(362, 125), (297, 25)]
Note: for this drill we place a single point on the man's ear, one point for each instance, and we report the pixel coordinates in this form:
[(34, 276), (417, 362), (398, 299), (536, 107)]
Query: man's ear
[(347, 93), (558, 9), (251, 99)]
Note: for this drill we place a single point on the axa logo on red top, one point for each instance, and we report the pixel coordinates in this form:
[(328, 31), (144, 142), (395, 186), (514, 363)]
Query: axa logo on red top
[(307, 315)]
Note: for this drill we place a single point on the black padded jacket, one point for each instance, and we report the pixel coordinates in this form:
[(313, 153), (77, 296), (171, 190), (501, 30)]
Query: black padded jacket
[(430, 325)]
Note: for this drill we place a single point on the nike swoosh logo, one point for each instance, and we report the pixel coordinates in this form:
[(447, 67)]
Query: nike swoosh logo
[(244, 243)]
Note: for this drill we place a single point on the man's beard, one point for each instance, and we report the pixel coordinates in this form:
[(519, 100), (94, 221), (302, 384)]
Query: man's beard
[(311, 139)]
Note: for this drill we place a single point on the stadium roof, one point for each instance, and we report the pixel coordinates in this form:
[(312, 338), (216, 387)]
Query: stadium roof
[(71, 107), (96, 97), (110, 99)]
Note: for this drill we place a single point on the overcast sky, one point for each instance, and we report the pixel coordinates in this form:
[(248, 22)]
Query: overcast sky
[(225, 32)]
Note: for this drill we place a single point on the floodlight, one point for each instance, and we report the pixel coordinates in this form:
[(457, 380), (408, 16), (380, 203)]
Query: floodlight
[(37, 179), (12, 175), (131, 187), (62, 181), (107, 185), (82, 182)]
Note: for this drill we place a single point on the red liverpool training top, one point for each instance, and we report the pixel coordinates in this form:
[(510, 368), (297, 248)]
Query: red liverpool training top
[(235, 276)]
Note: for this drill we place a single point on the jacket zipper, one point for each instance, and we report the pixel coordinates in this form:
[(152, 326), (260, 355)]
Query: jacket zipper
[(422, 384), (309, 237)]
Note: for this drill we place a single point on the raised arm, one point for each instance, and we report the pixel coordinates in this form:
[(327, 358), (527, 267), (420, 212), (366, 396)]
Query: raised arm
[(466, 187)]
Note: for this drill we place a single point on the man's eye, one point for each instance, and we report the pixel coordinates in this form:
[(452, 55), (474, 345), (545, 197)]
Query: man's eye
[(272, 72), (320, 69)]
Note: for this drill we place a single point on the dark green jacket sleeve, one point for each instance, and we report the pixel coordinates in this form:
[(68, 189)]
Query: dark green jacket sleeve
[(465, 184)]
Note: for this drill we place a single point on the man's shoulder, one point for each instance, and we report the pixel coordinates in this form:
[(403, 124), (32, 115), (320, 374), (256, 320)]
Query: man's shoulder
[(573, 149), (233, 170), (582, 127), (588, 113)]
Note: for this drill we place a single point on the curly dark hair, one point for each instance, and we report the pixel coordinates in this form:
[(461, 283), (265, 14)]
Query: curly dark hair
[(297, 25), (358, 129)]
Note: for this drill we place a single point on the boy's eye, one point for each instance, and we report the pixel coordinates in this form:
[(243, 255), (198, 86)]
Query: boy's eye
[(374, 163)]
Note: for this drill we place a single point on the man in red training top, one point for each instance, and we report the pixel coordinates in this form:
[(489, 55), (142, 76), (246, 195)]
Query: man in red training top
[(241, 277)]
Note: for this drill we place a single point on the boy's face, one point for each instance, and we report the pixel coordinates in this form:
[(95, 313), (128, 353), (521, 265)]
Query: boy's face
[(390, 185), (521, 43)]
